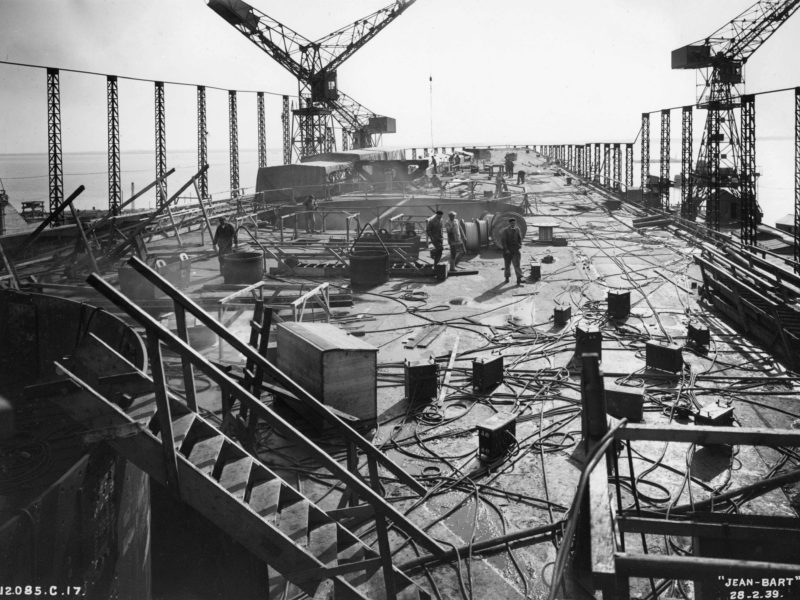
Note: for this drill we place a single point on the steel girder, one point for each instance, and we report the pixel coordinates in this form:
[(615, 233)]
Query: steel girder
[(645, 155), (687, 203), (54, 155), (161, 143), (233, 143), (202, 141), (750, 217), (114, 167), (262, 130), (663, 176)]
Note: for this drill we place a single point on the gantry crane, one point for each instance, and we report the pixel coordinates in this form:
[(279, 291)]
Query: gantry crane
[(314, 64), (726, 161)]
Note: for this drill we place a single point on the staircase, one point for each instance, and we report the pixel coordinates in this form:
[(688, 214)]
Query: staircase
[(166, 437)]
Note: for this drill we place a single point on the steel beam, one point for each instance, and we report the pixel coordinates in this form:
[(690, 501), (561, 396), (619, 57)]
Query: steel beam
[(202, 141), (750, 217), (262, 130), (797, 179), (713, 139), (663, 179), (645, 154), (114, 168), (233, 143), (587, 161), (597, 163), (55, 162), (628, 166), (287, 133), (617, 167), (161, 143), (687, 203), (607, 165)]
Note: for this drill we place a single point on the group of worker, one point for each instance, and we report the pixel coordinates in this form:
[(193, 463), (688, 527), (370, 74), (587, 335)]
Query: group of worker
[(510, 243), (225, 237)]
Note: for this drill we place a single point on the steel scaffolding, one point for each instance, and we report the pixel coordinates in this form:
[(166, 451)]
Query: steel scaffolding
[(233, 142), (161, 143), (587, 159), (663, 179), (287, 134), (713, 139), (748, 224), (628, 166), (202, 141), (262, 130), (55, 162), (797, 179), (645, 152), (687, 204), (570, 158), (597, 164), (114, 167), (607, 165), (617, 183)]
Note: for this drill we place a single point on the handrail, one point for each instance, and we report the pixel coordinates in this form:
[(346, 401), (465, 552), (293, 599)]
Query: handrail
[(284, 380), (229, 386)]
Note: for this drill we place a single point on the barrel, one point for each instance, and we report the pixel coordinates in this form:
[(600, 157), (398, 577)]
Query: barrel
[(243, 267), (368, 268)]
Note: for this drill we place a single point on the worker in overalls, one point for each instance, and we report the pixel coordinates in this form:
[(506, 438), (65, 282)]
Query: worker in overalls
[(224, 238), (454, 239), (434, 231), (511, 243)]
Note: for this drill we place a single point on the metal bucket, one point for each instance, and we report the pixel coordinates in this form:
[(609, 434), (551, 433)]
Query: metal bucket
[(368, 268), (243, 267)]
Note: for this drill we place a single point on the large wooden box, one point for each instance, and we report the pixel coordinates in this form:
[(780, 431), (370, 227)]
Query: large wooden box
[(335, 367)]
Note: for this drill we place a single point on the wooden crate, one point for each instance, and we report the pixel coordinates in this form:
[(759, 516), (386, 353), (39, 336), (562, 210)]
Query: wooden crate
[(335, 367)]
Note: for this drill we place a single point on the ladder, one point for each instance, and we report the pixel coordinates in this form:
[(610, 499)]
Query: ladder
[(217, 476)]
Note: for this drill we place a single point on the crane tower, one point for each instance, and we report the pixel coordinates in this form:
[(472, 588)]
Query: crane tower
[(315, 64), (726, 161)]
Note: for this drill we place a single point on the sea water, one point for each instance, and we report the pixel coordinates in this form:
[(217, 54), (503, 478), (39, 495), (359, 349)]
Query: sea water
[(25, 176)]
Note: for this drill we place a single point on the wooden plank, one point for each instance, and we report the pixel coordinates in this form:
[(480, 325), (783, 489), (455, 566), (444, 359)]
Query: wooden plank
[(694, 567), (234, 476), (264, 498), (420, 334), (748, 436), (205, 453), (293, 521), (448, 371), (602, 535), (323, 544), (180, 428), (695, 527), (431, 336)]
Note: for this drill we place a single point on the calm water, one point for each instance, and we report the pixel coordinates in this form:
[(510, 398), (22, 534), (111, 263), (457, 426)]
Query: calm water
[(25, 175)]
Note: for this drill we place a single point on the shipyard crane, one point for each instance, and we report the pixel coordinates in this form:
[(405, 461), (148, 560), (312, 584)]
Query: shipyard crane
[(726, 161), (314, 64)]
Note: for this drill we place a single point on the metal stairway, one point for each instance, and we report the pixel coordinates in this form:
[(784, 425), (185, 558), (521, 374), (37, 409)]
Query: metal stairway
[(231, 487)]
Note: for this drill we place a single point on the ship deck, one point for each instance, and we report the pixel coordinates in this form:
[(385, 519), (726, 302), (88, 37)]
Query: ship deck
[(479, 315)]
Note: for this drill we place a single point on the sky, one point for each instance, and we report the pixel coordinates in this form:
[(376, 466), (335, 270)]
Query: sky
[(509, 71)]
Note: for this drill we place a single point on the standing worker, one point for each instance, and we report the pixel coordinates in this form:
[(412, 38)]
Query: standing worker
[(509, 165), (224, 238), (511, 242), (434, 231), (311, 215), (520, 177), (454, 239)]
